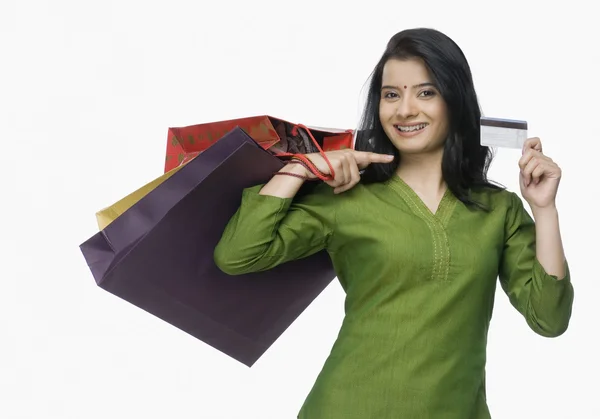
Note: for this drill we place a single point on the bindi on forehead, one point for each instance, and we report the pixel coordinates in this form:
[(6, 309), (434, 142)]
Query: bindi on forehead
[(416, 86)]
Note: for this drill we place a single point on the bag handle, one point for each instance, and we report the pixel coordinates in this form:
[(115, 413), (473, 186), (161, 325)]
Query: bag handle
[(306, 160)]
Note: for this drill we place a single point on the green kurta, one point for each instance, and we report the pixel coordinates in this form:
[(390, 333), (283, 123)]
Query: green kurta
[(419, 291)]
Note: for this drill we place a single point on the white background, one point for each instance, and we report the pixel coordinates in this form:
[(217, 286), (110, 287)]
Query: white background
[(87, 92)]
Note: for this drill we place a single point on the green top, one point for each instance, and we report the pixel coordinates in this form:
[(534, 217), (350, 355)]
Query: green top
[(419, 291)]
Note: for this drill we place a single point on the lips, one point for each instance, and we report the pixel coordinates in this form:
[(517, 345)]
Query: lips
[(411, 128)]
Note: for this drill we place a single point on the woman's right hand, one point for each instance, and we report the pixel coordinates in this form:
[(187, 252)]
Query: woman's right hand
[(346, 165)]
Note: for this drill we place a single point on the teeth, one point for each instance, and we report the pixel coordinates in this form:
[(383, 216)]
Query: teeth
[(413, 128)]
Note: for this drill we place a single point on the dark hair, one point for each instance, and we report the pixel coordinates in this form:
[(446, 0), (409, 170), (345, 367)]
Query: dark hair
[(465, 162)]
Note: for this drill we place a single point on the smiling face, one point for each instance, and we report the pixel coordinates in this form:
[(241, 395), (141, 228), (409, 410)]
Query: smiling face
[(412, 111)]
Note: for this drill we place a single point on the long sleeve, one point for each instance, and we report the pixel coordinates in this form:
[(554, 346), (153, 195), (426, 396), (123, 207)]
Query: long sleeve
[(543, 300), (267, 231)]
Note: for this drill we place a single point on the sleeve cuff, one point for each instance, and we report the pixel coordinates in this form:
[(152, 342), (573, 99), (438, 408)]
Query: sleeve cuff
[(252, 198)]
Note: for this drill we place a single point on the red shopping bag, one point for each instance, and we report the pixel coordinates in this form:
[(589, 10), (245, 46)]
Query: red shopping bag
[(279, 137)]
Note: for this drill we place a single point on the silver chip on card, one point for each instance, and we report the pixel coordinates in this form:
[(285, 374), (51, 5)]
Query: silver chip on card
[(497, 132)]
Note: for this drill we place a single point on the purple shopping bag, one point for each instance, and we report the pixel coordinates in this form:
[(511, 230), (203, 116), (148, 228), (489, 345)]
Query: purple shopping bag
[(158, 255)]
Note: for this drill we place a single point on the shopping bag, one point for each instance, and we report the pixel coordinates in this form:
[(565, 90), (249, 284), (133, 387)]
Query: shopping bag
[(279, 137), (107, 215), (158, 255), (284, 148)]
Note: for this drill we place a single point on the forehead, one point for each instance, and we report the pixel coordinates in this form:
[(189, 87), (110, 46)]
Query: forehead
[(408, 71)]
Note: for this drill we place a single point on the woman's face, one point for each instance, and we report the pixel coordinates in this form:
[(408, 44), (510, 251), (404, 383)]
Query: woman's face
[(412, 111)]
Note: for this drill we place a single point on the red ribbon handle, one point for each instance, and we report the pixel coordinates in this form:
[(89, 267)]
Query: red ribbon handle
[(306, 160)]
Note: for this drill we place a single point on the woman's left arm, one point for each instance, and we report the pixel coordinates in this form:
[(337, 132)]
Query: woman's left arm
[(539, 180), (548, 247), (534, 272)]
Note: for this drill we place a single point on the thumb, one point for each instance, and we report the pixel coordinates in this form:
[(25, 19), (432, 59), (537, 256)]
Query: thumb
[(365, 158)]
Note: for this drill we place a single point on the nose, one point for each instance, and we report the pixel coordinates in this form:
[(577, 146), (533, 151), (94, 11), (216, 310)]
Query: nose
[(407, 107)]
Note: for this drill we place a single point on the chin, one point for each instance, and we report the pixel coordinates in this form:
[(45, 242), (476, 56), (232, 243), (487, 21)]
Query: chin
[(418, 148), (411, 145), (419, 144)]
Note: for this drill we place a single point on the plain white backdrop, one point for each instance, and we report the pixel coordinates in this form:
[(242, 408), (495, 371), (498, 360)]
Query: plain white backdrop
[(87, 92)]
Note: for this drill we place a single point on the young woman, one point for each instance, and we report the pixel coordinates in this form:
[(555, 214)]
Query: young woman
[(418, 241)]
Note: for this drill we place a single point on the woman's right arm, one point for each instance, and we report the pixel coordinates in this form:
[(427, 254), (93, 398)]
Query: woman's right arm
[(272, 226), (286, 186)]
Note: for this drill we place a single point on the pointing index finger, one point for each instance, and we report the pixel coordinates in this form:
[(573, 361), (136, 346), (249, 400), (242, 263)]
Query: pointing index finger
[(364, 158)]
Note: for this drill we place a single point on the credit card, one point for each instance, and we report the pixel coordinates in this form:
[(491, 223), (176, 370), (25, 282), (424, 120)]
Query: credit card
[(497, 132)]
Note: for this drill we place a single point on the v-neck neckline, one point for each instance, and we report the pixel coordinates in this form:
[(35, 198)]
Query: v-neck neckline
[(441, 214)]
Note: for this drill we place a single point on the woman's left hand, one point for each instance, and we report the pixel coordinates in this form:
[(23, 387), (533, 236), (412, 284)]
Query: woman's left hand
[(539, 177)]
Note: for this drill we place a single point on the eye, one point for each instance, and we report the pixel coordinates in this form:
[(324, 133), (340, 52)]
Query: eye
[(427, 93), (390, 95)]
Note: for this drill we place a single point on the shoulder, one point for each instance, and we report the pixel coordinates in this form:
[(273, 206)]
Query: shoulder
[(507, 206), (320, 192), (320, 197), (502, 200)]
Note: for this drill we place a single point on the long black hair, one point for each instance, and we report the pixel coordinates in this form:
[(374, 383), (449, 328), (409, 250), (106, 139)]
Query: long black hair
[(465, 162)]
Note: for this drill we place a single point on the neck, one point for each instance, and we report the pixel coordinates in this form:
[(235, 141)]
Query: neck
[(422, 172)]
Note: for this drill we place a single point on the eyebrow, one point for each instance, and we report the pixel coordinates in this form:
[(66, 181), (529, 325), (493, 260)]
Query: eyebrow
[(416, 86)]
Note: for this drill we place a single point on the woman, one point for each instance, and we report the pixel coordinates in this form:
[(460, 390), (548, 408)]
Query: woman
[(417, 240)]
